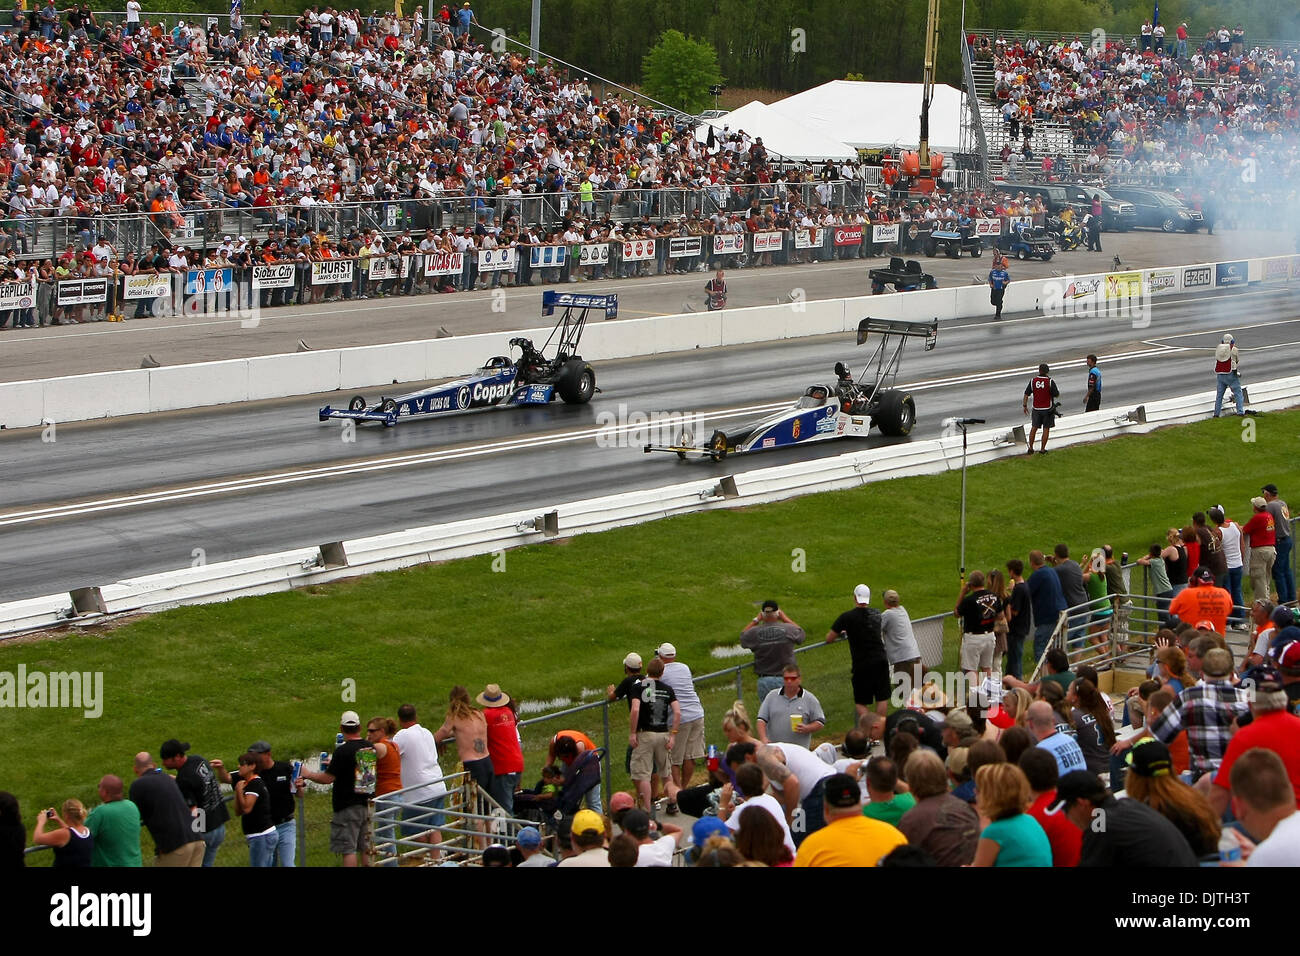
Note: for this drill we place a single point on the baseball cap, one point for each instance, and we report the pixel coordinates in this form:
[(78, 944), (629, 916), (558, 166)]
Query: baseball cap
[(959, 721), (1270, 488), (259, 747), (771, 606), (1204, 575), (1288, 655), (706, 827), (841, 790), (1077, 785), (632, 661), (621, 801), (1258, 502), (862, 594), (587, 821), (1227, 338), (350, 719), (529, 837), (172, 748), (1150, 758), (637, 823), (666, 650)]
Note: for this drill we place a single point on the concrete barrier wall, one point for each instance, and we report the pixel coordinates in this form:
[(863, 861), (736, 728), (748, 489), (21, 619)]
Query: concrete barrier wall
[(365, 369)]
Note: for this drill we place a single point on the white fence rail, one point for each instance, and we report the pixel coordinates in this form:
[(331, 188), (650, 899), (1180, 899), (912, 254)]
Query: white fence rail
[(139, 391), (303, 567)]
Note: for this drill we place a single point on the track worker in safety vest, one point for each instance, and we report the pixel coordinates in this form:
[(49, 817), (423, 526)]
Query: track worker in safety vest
[(1044, 393)]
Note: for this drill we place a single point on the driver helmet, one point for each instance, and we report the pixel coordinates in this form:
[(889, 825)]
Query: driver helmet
[(1228, 339)]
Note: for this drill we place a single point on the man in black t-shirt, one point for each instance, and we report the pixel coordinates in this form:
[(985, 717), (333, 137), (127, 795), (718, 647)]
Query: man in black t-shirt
[(628, 689), (979, 609), (654, 719), (870, 674), (1020, 618), (280, 785), (351, 774), (1117, 833), (202, 793), (163, 811)]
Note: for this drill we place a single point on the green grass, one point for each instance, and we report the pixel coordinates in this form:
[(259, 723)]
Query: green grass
[(562, 615)]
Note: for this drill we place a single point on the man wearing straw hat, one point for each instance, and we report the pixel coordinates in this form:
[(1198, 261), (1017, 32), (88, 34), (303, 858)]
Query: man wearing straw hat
[(503, 744)]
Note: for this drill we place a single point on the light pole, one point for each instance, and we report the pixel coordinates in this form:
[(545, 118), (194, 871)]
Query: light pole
[(962, 423)]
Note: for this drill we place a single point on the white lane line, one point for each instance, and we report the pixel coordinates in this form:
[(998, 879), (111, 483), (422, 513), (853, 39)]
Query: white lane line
[(277, 479)]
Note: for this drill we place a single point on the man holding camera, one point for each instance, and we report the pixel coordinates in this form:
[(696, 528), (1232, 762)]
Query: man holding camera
[(1045, 393), (772, 637)]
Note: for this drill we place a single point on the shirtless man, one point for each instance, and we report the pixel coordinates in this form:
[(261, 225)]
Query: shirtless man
[(466, 724)]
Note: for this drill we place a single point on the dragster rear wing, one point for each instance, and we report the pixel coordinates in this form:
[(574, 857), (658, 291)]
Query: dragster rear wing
[(887, 327)]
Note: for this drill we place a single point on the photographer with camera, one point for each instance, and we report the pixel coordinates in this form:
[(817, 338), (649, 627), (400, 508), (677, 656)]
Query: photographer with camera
[(70, 838), (1045, 393)]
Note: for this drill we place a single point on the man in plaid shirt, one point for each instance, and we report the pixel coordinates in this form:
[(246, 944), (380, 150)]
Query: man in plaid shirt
[(1206, 711)]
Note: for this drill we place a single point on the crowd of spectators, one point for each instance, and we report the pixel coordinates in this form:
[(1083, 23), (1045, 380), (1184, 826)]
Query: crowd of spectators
[(1220, 116), (1006, 773)]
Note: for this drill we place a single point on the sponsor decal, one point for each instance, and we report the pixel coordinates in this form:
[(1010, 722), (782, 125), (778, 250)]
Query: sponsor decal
[(988, 227), (595, 254), (203, 281), (913, 231), (429, 403), (82, 291), (462, 397), (547, 257), (768, 241), (638, 250), (18, 295), (1276, 270), (886, 233), (1123, 285), (1199, 277), (684, 246), (275, 276), (849, 235), (797, 428), (769, 443), (491, 393), (496, 260), (729, 243), (444, 263), (841, 424), (825, 425), (1080, 288), (331, 271), (1231, 273), (809, 238), (1161, 281), (1013, 221)]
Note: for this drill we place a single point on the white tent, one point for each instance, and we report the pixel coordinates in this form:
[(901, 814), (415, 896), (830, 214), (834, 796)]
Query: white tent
[(783, 136), (872, 115)]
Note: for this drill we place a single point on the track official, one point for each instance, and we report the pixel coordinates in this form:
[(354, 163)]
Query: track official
[(999, 279), (1044, 392)]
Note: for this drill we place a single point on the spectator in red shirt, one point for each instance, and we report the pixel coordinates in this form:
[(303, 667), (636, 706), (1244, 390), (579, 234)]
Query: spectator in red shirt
[(1261, 532), (1066, 839), (1272, 727), (503, 744)]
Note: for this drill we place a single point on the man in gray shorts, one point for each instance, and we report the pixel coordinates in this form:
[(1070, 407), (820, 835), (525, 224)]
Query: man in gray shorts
[(1044, 393), (351, 803)]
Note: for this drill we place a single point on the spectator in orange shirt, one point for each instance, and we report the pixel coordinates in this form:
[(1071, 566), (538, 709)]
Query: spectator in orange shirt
[(1203, 602)]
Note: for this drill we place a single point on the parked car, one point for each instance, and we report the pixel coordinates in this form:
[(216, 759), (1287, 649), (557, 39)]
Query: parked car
[(1160, 210), (1117, 215)]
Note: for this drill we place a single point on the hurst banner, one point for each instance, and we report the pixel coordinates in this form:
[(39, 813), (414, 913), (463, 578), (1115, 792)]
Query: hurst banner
[(332, 271)]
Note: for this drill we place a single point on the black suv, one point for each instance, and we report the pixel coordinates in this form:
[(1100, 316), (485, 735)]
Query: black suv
[(1160, 210), (1117, 215)]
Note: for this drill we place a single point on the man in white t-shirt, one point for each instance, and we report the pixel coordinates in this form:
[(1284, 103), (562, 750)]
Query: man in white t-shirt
[(1231, 535), (420, 769), (1264, 802), (651, 852), (796, 774), (690, 732), (752, 786)]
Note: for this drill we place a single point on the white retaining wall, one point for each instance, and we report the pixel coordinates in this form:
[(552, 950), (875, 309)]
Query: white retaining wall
[(132, 392)]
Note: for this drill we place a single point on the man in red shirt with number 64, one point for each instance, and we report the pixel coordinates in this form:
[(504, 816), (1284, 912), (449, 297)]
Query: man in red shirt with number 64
[(1045, 393)]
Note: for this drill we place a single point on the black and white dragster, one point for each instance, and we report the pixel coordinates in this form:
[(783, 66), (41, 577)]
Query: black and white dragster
[(824, 411), (532, 379)]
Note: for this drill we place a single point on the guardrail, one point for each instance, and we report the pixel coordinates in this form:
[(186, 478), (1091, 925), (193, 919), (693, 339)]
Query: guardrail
[(140, 391), (304, 567)]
